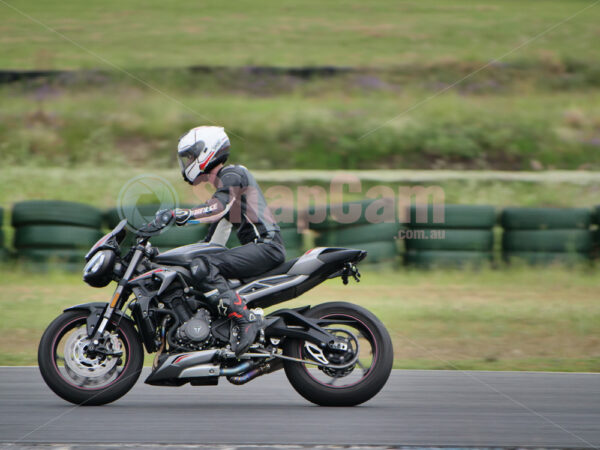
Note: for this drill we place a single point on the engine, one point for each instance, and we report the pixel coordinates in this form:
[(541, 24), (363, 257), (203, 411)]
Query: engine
[(196, 330)]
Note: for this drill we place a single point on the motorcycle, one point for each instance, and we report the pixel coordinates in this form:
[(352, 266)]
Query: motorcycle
[(333, 354)]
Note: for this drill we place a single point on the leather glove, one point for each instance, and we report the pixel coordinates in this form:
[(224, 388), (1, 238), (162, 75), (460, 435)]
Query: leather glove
[(163, 218), (182, 216)]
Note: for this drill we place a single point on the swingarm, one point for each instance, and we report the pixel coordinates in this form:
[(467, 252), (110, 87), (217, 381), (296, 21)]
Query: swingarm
[(291, 323)]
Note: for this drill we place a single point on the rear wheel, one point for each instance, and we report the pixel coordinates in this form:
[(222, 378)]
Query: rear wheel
[(361, 371), (83, 378)]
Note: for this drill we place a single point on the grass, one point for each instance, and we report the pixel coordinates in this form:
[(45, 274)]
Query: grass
[(536, 108), (382, 33), (319, 124), (521, 319)]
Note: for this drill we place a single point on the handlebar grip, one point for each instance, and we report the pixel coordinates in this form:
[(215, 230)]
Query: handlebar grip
[(165, 218)]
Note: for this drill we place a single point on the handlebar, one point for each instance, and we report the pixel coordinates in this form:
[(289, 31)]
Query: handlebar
[(162, 220)]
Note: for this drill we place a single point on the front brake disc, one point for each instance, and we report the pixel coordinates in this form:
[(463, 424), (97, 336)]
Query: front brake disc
[(78, 360)]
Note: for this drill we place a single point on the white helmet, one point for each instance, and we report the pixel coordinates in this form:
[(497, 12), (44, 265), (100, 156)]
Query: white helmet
[(201, 149)]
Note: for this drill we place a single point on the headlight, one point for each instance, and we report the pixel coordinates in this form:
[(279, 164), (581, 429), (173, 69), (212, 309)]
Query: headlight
[(99, 270)]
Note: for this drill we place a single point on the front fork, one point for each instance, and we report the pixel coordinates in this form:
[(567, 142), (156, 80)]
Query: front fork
[(116, 302)]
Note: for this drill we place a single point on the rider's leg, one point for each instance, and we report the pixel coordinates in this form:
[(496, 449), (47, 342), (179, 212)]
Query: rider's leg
[(229, 303), (244, 261)]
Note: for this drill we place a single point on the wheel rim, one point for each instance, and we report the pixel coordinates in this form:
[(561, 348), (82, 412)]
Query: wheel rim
[(365, 357), (82, 370)]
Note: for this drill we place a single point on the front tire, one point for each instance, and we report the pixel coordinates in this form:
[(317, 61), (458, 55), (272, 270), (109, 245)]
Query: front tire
[(80, 378), (359, 387)]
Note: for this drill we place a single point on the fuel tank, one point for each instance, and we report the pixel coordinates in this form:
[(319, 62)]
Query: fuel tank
[(184, 255)]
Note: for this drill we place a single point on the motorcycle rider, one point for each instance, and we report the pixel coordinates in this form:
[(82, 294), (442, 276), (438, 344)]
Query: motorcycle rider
[(239, 202)]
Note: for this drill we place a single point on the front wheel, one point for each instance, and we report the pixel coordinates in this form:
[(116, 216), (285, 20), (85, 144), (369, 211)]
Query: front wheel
[(83, 378), (365, 365)]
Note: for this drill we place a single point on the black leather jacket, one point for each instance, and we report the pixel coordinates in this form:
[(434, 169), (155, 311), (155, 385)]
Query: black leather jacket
[(238, 200)]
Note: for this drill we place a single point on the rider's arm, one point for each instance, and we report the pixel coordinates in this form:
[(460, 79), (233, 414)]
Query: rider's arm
[(218, 206)]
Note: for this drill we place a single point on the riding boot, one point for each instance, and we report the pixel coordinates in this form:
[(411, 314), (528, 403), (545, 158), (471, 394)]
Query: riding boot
[(229, 304), (248, 324)]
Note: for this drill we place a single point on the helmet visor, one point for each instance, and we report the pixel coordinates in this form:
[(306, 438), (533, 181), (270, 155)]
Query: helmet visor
[(190, 154), (186, 161)]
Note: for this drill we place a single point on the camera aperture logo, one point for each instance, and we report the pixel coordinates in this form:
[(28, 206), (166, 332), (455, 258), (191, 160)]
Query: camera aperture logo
[(142, 196)]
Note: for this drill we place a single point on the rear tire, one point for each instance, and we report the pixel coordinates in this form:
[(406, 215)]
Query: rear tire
[(356, 393), (59, 381)]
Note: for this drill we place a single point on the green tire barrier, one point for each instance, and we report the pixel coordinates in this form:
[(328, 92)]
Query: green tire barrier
[(1, 230), (596, 214), (54, 212), (548, 240), (56, 236), (377, 251), (111, 217), (545, 258), (545, 218), (446, 258), (454, 216), (348, 236), (293, 252), (596, 244), (371, 211), (286, 217), (291, 238), (233, 240), (478, 240), (177, 236)]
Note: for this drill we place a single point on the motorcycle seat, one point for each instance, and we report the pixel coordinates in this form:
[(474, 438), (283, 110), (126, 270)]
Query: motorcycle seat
[(338, 255), (279, 270), (332, 256)]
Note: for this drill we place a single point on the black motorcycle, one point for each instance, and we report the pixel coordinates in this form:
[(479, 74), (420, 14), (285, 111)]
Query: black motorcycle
[(335, 354)]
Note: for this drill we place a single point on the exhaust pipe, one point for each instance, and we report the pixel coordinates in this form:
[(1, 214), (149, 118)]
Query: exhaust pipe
[(256, 372), (227, 371), (178, 369)]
